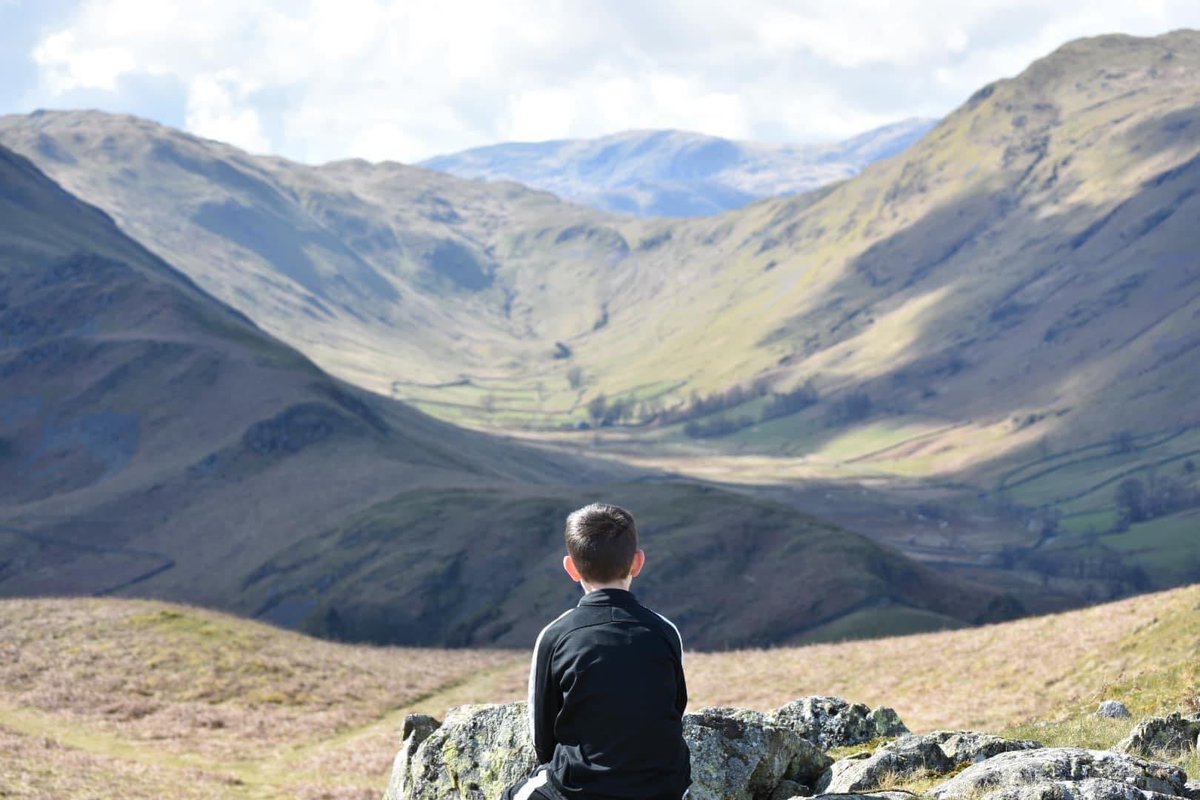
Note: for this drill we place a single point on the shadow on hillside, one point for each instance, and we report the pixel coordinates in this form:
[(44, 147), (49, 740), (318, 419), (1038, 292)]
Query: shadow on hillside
[(1075, 307)]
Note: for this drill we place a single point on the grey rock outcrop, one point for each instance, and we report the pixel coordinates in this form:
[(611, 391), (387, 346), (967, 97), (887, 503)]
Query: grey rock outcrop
[(1086, 789), (972, 747), (417, 728), (1162, 736), (833, 722), (1191, 790), (904, 757), (1113, 709), (477, 753), (871, 796), (1062, 773), (933, 754), (787, 789), (481, 750), (742, 755)]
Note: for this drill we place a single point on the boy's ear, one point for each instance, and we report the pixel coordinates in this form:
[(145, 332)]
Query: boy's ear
[(569, 566), (639, 561)]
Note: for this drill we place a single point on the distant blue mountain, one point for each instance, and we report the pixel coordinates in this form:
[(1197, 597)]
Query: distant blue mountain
[(676, 173)]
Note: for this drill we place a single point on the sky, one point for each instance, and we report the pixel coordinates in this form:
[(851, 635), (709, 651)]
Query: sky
[(319, 80)]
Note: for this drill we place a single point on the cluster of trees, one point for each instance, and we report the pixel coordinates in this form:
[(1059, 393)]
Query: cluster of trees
[(702, 414), (1157, 496), (781, 404), (849, 408), (707, 405)]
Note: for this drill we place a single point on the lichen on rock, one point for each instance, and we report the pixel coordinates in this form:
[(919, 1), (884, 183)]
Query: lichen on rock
[(830, 722)]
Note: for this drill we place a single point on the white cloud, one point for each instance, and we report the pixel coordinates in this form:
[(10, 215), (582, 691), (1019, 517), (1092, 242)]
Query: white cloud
[(217, 109), (401, 79)]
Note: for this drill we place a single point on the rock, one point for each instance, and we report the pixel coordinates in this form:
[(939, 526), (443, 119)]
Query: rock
[(481, 750), (786, 789), (871, 796), (902, 758), (1060, 773), (477, 753), (1168, 736), (1192, 788), (1086, 789), (417, 728), (832, 722), (971, 747), (741, 755), (1113, 709)]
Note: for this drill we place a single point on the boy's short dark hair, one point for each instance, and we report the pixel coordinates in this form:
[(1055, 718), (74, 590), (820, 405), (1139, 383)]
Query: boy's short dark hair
[(602, 540)]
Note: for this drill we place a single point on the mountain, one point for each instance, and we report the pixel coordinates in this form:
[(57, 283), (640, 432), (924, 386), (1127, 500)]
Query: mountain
[(964, 352), (667, 173), (155, 442)]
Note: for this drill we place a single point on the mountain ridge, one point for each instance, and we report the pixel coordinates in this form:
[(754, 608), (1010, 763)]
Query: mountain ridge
[(675, 173)]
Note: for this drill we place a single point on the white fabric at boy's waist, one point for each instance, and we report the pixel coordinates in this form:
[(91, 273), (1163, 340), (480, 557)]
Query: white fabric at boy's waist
[(539, 780)]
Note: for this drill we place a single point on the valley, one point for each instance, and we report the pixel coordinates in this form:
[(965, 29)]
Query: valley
[(953, 388)]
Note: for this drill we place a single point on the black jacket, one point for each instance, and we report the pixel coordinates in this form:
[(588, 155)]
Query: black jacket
[(606, 701)]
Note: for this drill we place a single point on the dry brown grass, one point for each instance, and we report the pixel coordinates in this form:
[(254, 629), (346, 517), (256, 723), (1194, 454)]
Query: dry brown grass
[(985, 678), (120, 698), (166, 687)]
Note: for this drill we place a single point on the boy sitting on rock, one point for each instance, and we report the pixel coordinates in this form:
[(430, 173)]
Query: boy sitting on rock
[(606, 686)]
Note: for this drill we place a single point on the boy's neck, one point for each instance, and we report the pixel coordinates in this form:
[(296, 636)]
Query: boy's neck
[(592, 587)]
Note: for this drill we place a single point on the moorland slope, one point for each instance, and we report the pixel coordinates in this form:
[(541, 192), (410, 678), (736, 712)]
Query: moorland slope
[(133, 698)]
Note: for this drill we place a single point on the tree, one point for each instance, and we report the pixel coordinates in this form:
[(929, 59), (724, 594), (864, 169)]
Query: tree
[(1131, 501), (597, 408)]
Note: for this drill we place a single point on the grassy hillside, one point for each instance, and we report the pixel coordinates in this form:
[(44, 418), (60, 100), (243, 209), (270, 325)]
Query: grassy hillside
[(1001, 318), (132, 698), (156, 443)]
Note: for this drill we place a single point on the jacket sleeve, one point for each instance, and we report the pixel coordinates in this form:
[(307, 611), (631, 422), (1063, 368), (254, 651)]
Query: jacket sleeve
[(676, 638), (681, 694), (545, 697)]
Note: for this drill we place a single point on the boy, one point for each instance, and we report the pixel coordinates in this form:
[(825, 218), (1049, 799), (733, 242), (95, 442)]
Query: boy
[(606, 687)]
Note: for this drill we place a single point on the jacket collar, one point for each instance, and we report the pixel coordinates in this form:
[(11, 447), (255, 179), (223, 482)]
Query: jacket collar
[(608, 597)]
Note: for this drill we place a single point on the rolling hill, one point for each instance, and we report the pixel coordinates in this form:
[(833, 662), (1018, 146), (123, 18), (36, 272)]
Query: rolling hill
[(675, 173), (963, 352), (136, 699), (154, 442)]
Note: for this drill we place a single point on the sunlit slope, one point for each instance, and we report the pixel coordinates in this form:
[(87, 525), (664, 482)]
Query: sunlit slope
[(99, 697), (154, 442), (1032, 256)]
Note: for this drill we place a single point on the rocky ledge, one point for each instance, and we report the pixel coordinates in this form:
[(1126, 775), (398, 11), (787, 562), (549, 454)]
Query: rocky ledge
[(739, 754)]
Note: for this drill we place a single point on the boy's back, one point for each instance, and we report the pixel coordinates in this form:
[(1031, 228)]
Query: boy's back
[(606, 685), (606, 699)]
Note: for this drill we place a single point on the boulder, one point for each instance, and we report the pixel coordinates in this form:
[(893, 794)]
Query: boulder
[(871, 796), (1192, 788), (787, 789), (971, 747), (1060, 773), (741, 755), (477, 753), (1086, 789), (1169, 736), (905, 757), (831, 722), (481, 750), (417, 728), (1113, 709)]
